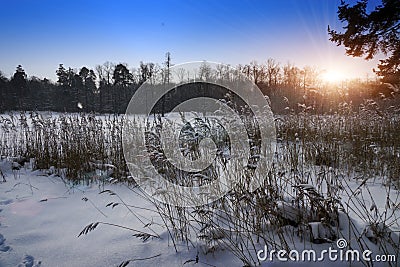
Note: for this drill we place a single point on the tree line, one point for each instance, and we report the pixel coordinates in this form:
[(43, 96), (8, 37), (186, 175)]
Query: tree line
[(109, 87)]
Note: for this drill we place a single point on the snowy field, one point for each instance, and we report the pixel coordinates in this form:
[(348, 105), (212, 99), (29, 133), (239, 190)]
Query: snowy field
[(49, 220), (41, 217)]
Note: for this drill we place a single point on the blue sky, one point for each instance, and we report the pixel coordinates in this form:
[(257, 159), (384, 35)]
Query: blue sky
[(41, 34)]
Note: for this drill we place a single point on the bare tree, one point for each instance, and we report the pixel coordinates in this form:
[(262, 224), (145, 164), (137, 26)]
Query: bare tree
[(291, 76), (309, 77), (272, 72), (101, 75), (205, 71), (108, 68), (180, 73), (256, 72)]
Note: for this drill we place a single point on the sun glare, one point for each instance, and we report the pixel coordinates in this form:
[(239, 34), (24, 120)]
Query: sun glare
[(332, 76)]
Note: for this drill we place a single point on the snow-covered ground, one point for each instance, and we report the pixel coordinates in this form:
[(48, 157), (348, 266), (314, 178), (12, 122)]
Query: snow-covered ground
[(41, 218)]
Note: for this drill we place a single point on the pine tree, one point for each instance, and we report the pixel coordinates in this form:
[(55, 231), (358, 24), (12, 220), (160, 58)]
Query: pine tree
[(367, 34), (62, 76)]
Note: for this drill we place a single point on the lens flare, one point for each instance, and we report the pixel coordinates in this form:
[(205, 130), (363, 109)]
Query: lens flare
[(333, 77)]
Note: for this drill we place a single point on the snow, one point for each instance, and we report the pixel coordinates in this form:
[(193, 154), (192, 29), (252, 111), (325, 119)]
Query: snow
[(41, 217)]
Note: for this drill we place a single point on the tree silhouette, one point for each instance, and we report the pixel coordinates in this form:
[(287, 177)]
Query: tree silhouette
[(168, 65), (122, 80), (18, 82), (62, 75), (146, 72), (110, 89), (272, 72), (122, 77), (87, 85), (367, 34), (3, 91)]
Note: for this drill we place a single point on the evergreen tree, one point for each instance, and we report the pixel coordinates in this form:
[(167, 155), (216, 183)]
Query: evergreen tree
[(367, 34), (62, 75), (3, 92), (19, 80), (122, 77), (19, 85)]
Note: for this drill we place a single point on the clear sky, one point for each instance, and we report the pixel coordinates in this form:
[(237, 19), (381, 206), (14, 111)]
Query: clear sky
[(41, 34)]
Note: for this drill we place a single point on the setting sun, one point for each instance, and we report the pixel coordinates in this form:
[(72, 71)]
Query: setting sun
[(332, 76)]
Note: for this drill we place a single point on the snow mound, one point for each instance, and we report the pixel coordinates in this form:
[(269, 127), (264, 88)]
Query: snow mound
[(29, 261)]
